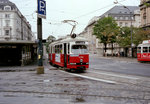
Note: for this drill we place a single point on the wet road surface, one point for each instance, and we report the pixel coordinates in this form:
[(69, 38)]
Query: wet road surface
[(61, 87), (125, 66)]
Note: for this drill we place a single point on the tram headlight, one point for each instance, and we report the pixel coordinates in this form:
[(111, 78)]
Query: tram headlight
[(81, 60), (72, 63)]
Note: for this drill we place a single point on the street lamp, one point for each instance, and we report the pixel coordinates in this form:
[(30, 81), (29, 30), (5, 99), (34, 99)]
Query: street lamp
[(116, 2)]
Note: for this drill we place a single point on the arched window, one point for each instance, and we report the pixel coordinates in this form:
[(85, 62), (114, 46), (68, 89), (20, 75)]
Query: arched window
[(7, 8)]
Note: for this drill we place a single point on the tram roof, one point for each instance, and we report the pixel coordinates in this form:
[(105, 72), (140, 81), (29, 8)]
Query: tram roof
[(69, 39), (144, 45)]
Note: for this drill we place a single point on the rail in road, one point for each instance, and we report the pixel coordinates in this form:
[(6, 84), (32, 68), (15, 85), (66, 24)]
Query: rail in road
[(113, 78)]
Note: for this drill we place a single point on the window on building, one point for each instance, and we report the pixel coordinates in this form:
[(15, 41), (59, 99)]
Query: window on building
[(132, 18), (121, 18), (7, 32), (115, 18), (7, 22), (7, 8), (7, 15), (126, 24), (118, 18), (127, 18), (120, 24)]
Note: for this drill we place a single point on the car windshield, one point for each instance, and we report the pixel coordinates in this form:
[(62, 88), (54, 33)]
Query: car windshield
[(79, 49)]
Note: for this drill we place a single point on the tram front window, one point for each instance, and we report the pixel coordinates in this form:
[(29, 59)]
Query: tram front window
[(79, 49), (139, 50)]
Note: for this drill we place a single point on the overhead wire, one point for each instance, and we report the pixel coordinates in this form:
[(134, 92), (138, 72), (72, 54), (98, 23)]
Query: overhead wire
[(97, 10), (59, 22)]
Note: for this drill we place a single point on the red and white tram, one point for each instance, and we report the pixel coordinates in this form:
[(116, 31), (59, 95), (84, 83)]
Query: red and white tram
[(143, 51), (70, 53)]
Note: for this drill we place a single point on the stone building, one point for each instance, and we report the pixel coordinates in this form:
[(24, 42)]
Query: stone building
[(145, 13), (124, 16), (16, 37), (13, 25), (87, 33)]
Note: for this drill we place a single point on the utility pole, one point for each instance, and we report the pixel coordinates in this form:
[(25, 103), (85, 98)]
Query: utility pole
[(40, 69), (41, 14)]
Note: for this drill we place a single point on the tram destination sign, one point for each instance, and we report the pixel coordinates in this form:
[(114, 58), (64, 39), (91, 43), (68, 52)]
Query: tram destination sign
[(42, 9), (80, 42)]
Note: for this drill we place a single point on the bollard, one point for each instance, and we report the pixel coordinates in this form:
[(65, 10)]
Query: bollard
[(40, 70)]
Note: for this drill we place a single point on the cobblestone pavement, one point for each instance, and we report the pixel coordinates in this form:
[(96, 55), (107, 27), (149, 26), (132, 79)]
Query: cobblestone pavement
[(59, 87)]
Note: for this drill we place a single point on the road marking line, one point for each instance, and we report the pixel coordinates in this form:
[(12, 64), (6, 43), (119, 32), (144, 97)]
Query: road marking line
[(114, 75), (92, 78)]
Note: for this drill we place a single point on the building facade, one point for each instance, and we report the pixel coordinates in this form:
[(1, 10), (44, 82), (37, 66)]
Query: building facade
[(17, 45), (87, 33), (145, 13), (124, 16), (13, 25)]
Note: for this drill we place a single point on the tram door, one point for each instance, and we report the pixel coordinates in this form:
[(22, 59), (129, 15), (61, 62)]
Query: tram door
[(65, 55)]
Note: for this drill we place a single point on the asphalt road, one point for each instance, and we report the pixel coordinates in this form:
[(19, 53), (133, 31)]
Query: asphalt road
[(123, 66), (24, 86)]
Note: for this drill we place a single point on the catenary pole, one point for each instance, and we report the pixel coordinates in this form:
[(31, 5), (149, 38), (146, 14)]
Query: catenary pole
[(40, 68)]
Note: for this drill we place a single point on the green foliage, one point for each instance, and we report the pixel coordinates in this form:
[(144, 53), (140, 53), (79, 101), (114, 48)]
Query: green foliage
[(147, 4), (138, 35), (124, 37), (106, 30)]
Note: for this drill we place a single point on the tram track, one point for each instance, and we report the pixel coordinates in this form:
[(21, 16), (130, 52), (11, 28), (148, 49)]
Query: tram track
[(123, 78), (114, 78)]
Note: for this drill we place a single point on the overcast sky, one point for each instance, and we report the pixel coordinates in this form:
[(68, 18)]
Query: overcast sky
[(58, 10)]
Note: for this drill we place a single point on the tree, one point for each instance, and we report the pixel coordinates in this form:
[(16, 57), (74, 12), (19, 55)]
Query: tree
[(138, 35), (49, 40), (124, 37), (106, 30)]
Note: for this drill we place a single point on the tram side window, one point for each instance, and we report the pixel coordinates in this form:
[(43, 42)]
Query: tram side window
[(68, 48), (53, 49), (58, 49), (139, 50), (145, 49)]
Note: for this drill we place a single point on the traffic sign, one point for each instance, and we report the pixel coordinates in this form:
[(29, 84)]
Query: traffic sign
[(42, 9)]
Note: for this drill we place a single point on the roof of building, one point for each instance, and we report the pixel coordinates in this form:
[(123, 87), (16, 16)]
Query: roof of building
[(122, 10), (7, 3)]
